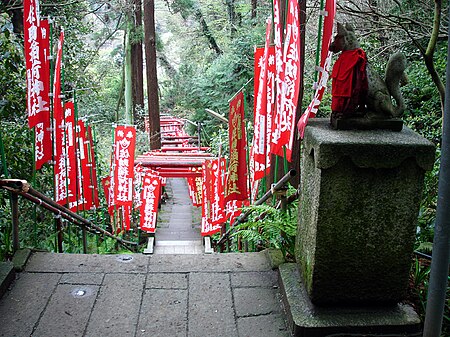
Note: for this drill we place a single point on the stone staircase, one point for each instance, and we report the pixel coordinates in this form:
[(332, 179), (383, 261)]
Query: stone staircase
[(178, 229)]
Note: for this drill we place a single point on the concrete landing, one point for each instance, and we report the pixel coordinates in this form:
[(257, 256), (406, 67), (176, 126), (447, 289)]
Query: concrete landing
[(178, 229), (140, 295)]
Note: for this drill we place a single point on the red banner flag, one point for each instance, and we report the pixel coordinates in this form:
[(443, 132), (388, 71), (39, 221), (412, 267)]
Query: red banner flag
[(43, 136), (325, 61), (84, 173), (236, 185), (234, 209), (59, 131), (106, 183), (34, 46), (151, 193), (279, 79), (195, 190), (71, 157), (264, 75), (124, 145), (213, 204), (93, 167), (126, 217), (284, 122)]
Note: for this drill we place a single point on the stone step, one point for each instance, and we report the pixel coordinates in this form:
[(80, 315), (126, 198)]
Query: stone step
[(178, 247)]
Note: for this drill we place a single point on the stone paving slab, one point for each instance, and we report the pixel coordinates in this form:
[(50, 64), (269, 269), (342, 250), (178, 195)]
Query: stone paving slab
[(167, 281), (86, 263), (21, 308), (161, 296), (164, 313), (266, 325), (70, 303), (264, 301), (211, 262), (211, 305), (267, 279), (117, 307)]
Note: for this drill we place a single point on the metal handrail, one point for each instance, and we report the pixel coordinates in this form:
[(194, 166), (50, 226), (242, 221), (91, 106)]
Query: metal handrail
[(23, 188), (243, 218)]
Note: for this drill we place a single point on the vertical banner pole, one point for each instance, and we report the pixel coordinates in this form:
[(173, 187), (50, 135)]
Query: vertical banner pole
[(319, 42)]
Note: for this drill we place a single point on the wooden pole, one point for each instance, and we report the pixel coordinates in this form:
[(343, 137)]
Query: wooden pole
[(15, 221)]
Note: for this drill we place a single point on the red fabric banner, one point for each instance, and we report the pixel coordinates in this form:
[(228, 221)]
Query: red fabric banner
[(151, 193), (126, 217), (264, 74), (325, 61), (234, 209), (93, 167), (124, 145), (236, 185), (106, 183), (59, 131), (85, 180), (213, 204), (34, 47), (284, 122), (71, 158), (43, 137), (279, 79), (137, 183), (195, 190)]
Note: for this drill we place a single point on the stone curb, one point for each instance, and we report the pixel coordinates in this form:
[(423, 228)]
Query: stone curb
[(20, 259), (7, 276)]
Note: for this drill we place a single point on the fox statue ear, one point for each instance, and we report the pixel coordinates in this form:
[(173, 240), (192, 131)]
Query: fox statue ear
[(341, 29), (349, 27)]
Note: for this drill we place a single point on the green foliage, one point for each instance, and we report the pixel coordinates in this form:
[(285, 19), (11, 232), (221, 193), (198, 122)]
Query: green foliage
[(12, 73), (205, 79), (428, 205), (269, 227), (419, 283), (423, 109)]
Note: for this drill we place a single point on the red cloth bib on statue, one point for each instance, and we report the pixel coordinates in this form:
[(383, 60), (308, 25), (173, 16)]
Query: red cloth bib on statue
[(343, 75)]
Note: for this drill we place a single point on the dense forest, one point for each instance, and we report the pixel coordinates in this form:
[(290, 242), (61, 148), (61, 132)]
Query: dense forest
[(204, 54)]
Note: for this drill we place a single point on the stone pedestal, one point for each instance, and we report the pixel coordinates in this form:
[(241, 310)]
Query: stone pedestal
[(360, 195)]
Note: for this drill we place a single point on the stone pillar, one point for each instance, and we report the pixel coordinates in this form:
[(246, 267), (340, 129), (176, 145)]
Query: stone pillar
[(360, 196)]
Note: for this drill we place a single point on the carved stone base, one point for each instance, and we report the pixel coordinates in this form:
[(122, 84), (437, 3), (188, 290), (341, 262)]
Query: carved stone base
[(308, 320), (364, 123)]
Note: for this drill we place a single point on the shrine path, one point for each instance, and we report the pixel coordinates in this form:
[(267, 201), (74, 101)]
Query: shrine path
[(160, 295), (167, 294), (178, 229)]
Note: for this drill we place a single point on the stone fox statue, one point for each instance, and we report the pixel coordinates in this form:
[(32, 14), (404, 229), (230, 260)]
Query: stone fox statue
[(356, 89)]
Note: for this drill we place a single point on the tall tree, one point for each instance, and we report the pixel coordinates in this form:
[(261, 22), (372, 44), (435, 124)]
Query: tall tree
[(190, 8), (152, 78), (137, 65)]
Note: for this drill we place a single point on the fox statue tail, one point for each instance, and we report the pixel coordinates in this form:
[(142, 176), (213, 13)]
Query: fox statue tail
[(395, 78)]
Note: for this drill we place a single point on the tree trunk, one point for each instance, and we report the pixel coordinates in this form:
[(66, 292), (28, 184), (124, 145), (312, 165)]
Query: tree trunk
[(137, 65), (254, 7), (152, 79), (205, 30), (128, 77), (231, 16)]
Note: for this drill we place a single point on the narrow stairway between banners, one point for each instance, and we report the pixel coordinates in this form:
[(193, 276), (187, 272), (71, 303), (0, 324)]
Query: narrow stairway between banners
[(179, 163), (178, 221)]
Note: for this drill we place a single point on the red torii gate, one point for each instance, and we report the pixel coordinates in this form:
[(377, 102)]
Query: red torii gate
[(177, 158)]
